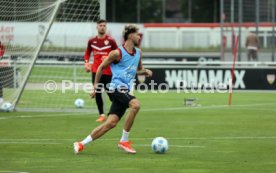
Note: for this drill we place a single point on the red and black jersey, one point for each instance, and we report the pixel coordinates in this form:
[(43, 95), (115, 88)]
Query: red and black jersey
[(2, 50), (100, 47)]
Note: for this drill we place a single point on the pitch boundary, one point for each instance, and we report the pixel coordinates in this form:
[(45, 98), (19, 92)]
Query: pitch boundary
[(143, 110), (55, 141)]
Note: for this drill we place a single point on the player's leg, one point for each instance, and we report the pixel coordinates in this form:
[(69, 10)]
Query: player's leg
[(134, 106), (115, 114), (254, 55), (107, 81), (100, 106), (1, 93), (110, 123), (99, 100), (248, 55), (251, 55), (2, 75), (99, 131)]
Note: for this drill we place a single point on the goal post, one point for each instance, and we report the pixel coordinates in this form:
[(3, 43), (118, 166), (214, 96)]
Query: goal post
[(103, 9), (38, 49), (45, 41)]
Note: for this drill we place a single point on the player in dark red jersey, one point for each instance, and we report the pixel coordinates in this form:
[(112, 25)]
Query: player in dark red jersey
[(100, 46), (2, 50)]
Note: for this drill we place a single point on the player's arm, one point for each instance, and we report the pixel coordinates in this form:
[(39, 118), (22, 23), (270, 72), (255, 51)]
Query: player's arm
[(112, 57), (87, 57), (141, 70), (114, 45)]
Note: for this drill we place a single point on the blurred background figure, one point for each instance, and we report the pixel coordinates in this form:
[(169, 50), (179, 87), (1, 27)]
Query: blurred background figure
[(2, 52), (252, 46), (100, 45), (2, 49)]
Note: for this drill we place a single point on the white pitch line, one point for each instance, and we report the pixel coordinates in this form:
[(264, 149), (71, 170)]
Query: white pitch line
[(188, 146), (29, 143), (43, 116), (14, 171), (176, 146), (143, 110), (226, 138), (205, 107), (207, 138), (36, 140), (47, 143)]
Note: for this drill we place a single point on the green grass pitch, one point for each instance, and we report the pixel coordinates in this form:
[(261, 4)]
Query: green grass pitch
[(212, 138)]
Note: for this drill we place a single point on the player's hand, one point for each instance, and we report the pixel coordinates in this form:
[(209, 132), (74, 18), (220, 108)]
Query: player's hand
[(148, 73), (87, 67), (93, 93)]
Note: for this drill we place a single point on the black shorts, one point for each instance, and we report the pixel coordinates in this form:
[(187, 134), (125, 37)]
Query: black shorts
[(120, 102), (104, 81)]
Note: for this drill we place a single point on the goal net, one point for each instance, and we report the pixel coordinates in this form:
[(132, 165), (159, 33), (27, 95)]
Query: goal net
[(44, 42)]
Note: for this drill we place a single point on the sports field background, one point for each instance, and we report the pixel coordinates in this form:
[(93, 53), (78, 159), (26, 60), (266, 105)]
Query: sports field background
[(211, 138)]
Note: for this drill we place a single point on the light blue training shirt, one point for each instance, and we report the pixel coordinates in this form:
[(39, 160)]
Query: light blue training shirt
[(124, 72)]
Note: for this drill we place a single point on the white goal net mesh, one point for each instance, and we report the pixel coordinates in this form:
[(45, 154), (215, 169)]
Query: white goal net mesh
[(58, 76)]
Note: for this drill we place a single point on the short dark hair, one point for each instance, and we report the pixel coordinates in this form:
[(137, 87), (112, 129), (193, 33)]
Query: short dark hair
[(129, 29), (101, 21)]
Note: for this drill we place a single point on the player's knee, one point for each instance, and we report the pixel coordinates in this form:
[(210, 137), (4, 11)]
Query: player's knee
[(135, 104), (111, 124)]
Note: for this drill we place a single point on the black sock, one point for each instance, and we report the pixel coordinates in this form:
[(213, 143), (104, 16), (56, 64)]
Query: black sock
[(99, 102), (1, 91)]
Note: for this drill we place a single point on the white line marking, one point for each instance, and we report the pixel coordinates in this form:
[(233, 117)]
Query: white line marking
[(176, 146), (207, 138), (47, 115), (25, 116), (51, 143), (14, 171), (141, 139), (28, 142), (143, 110), (205, 107), (226, 138), (188, 146)]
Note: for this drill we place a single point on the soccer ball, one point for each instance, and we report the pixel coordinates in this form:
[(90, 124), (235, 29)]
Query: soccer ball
[(160, 145), (7, 107), (79, 103)]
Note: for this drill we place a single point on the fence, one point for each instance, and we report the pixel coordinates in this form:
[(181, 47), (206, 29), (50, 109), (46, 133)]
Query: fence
[(236, 14)]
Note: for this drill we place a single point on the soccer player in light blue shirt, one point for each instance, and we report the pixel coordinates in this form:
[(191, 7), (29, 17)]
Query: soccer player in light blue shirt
[(125, 64)]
